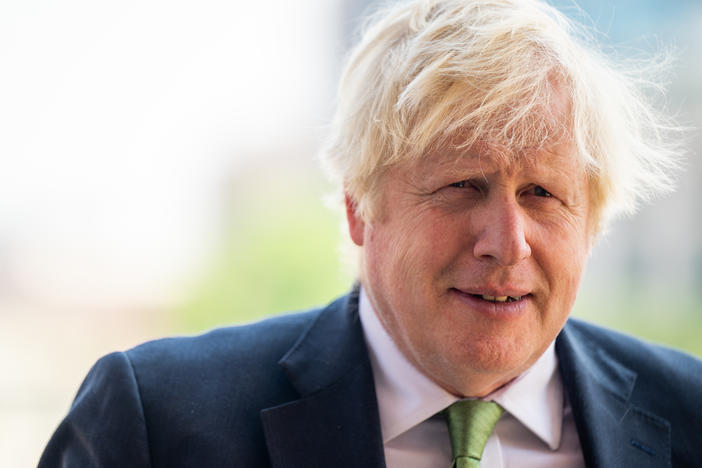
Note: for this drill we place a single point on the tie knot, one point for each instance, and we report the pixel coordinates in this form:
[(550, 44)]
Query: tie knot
[(470, 423)]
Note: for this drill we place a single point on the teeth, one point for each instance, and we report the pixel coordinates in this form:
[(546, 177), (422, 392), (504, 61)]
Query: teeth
[(501, 298)]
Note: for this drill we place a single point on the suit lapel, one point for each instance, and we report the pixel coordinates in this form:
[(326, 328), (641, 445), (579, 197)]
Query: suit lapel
[(612, 431), (335, 422)]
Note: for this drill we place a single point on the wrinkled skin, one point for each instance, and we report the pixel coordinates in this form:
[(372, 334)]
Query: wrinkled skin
[(463, 224)]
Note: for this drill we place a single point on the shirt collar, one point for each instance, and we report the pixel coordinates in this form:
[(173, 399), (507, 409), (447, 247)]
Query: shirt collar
[(406, 397), (536, 398)]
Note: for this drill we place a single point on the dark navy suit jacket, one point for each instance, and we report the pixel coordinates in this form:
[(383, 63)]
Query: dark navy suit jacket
[(297, 391)]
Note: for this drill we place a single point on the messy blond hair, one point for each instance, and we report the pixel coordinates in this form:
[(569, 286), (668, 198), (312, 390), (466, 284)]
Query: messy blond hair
[(426, 71)]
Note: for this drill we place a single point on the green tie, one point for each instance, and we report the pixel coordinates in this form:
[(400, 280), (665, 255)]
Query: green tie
[(470, 423)]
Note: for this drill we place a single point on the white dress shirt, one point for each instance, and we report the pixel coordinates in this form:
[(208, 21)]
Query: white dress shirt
[(536, 430)]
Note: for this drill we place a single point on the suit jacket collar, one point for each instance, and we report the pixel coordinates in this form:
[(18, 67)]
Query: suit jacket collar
[(612, 431), (335, 422)]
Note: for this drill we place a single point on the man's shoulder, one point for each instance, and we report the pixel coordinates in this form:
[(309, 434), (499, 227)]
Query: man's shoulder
[(624, 389), (236, 359), (239, 360), (260, 341), (654, 364), (187, 400)]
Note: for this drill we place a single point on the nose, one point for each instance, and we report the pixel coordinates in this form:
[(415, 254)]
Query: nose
[(501, 233)]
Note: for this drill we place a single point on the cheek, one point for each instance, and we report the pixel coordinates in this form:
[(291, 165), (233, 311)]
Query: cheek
[(561, 251), (406, 254), (389, 253), (564, 264)]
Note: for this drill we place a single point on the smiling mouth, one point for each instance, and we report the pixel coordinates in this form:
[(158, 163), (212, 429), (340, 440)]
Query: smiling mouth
[(506, 299), (497, 298)]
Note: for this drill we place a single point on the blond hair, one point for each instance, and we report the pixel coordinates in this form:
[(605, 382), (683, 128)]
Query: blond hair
[(426, 71)]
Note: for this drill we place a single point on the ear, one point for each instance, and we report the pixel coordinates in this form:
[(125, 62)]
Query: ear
[(356, 224)]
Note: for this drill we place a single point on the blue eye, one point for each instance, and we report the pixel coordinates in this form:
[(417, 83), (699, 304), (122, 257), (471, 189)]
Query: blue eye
[(539, 191)]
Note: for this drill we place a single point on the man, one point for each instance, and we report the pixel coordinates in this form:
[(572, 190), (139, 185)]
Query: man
[(481, 149)]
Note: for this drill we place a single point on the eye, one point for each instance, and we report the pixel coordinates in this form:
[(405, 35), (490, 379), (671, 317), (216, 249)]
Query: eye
[(467, 184), (539, 191), (538, 194), (466, 189)]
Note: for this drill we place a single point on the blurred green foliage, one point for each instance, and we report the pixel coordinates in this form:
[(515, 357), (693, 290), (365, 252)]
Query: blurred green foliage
[(673, 320), (279, 253)]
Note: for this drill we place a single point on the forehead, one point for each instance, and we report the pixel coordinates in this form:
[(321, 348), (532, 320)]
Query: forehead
[(488, 157)]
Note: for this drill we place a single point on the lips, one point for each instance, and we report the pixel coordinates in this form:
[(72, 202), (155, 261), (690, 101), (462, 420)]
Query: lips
[(494, 303), (495, 295), (498, 298)]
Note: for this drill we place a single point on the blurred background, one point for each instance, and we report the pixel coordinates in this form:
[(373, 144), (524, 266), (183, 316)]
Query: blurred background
[(158, 176)]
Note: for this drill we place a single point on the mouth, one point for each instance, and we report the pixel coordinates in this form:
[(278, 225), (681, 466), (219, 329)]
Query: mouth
[(485, 297), (498, 303), (504, 304), (495, 297)]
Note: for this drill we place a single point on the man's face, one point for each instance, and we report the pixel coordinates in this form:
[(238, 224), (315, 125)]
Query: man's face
[(473, 263)]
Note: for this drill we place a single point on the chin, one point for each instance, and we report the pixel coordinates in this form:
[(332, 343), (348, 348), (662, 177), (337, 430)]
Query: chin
[(505, 356)]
